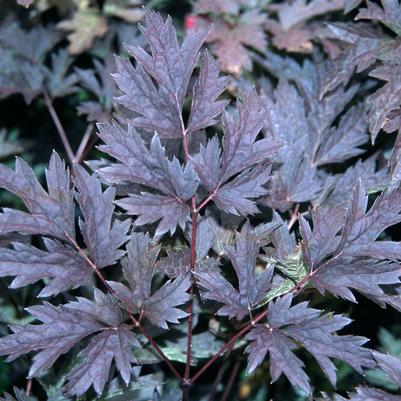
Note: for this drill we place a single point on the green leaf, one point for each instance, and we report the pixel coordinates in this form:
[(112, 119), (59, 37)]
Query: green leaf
[(277, 291), (139, 390), (379, 378), (204, 345), (389, 342)]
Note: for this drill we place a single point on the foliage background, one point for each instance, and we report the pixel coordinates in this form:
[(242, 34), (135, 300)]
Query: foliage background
[(29, 131)]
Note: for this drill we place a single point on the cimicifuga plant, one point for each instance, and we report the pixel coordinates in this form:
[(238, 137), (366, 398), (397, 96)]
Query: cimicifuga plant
[(206, 232)]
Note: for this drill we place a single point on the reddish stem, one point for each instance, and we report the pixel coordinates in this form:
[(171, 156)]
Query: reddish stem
[(294, 216), (79, 156), (191, 300), (208, 198), (59, 126), (156, 347), (88, 148), (28, 387), (228, 345), (194, 216), (231, 380)]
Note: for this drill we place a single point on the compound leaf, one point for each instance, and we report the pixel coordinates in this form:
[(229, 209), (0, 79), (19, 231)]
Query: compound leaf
[(216, 168), (102, 238), (365, 275), (66, 325), (362, 228), (316, 332), (61, 264), (60, 331), (151, 168), (252, 288), (160, 307), (98, 356), (169, 65), (50, 213), (205, 108)]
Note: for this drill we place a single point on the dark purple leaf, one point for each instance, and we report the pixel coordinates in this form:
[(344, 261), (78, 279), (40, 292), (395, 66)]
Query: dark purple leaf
[(243, 257), (151, 208), (62, 264), (60, 331), (241, 150), (58, 81), (284, 242), (116, 341), (93, 111), (98, 356), (148, 167), (233, 197), (252, 287), (343, 142), (323, 239), (205, 108), (216, 168), (139, 267), (362, 228), (218, 289), (170, 65), (384, 101), (23, 55), (295, 178), (365, 394), (316, 332), (282, 359), (207, 162), (157, 112), (99, 83), (104, 308), (389, 15), (296, 182), (363, 46), (161, 307), (365, 275), (141, 165), (395, 165), (102, 237), (65, 326), (339, 189), (50, 213)]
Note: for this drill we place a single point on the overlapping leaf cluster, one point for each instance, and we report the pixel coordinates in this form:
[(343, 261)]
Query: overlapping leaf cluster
[(246, 204)]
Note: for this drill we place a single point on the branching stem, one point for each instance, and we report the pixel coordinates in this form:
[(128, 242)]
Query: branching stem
[(248, 326), (79, 156), (135, 322), (194, 217), (231, 380), (59, 127)]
